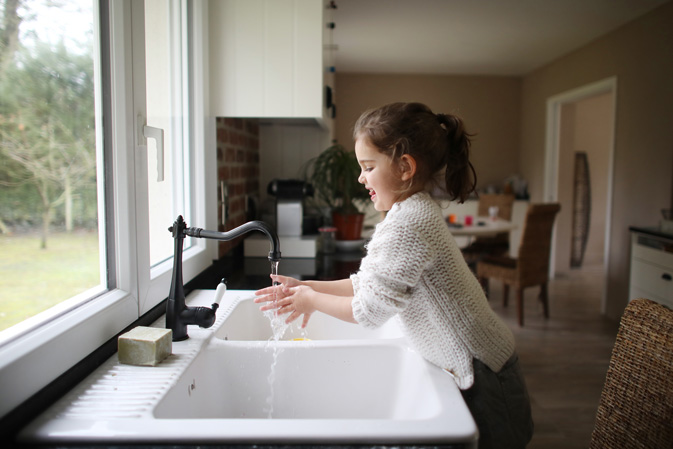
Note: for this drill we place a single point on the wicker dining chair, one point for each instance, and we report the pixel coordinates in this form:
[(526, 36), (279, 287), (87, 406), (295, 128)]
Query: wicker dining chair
[(531, 266), (636, 405), (496, 245)]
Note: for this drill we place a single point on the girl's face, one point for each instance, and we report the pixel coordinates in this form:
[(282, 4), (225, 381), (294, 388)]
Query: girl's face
[(379, 175)]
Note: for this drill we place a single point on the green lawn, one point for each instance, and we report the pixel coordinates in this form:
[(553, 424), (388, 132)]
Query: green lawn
[(34, 279)]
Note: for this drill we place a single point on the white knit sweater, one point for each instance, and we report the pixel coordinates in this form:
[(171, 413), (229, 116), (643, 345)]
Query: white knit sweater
[(414, 268)]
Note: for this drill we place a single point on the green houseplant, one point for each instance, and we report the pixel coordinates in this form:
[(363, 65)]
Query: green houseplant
[(334, 176)]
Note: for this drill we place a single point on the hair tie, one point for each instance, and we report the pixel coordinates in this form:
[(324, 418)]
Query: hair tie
[(443, 120)]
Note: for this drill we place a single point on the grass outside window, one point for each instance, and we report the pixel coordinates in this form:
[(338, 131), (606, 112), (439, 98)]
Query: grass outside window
[(35, 279)]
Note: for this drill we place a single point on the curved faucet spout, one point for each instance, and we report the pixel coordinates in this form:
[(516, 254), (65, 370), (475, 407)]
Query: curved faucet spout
[(274, 254), (178, 315)]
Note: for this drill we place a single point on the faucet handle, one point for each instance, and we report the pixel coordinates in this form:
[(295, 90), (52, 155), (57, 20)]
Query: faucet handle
[(220, 291)]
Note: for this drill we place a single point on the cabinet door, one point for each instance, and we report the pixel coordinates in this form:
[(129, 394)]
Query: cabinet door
[(266, 58), (308, 66), (651, 269), (236, 48), (651, 278), (279, 59)]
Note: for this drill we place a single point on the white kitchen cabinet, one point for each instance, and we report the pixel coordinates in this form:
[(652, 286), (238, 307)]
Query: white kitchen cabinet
[(267, 58), (651, 266)]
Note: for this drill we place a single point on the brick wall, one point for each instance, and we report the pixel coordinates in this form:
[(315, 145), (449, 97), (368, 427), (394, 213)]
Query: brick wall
[(238, 167)]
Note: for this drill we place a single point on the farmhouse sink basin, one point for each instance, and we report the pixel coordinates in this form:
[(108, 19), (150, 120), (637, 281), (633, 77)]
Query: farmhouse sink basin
[(231, 387), (327, 382), (328, 393), (244, 322)]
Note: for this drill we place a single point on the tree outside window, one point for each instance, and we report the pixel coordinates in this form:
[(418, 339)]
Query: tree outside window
[(49, 247)]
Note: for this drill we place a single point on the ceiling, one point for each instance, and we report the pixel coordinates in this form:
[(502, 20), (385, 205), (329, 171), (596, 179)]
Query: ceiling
[(476, 37)]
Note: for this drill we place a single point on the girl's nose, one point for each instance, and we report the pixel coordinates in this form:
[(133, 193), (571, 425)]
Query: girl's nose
[(361, 178)]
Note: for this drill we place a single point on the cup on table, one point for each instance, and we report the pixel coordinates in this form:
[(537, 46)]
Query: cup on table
[(452, 218), (468, 220), (493, 212)]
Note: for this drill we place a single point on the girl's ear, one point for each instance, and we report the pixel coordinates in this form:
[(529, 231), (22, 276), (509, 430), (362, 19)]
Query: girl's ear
[(407, 167)]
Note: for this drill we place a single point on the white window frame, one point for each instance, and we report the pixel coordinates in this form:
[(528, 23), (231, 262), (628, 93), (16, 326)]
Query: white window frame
[(29, 362), (154, 282)]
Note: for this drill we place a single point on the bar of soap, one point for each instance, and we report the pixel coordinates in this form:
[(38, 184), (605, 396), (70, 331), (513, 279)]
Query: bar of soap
[(146, 346)]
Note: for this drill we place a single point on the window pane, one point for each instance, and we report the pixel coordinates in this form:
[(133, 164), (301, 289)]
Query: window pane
[(166, 63), (50, 249)]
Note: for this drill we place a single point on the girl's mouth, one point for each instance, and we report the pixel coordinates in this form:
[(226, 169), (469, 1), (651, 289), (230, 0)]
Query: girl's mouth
[(372, 194)]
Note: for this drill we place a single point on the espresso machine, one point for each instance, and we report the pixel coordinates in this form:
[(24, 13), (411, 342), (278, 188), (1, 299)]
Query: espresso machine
[(290, 194), (299, 248)]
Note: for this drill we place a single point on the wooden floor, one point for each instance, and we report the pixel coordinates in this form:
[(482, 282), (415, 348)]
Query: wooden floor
[(564, 358)]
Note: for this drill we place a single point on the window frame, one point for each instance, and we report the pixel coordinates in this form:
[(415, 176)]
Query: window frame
[(32, 360)]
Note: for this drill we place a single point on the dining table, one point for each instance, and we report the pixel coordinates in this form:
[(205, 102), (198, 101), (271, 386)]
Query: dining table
[(481, 227)]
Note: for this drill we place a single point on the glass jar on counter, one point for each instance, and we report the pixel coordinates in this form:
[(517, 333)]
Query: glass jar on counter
[(327, 239)]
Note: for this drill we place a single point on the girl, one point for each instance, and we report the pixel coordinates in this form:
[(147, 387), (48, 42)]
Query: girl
[(414, 269)]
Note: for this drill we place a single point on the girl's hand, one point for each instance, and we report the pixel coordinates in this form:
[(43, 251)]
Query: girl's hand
[(276, 291), (296, 301), (299, 301)]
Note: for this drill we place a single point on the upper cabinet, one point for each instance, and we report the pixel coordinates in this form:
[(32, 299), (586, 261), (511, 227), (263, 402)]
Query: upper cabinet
[(267, 59)]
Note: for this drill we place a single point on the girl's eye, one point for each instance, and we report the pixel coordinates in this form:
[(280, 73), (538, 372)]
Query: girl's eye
[(368, 168)]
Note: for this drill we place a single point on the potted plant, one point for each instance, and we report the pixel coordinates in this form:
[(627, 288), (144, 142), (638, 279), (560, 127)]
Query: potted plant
[(334, 176)]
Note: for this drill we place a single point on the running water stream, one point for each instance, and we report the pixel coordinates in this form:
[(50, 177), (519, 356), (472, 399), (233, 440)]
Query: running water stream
[(278, 327)]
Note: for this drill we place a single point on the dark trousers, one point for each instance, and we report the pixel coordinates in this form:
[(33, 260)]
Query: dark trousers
[(500, 406)]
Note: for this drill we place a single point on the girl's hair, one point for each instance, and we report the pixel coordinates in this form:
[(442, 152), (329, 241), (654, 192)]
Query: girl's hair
[(435, 141)]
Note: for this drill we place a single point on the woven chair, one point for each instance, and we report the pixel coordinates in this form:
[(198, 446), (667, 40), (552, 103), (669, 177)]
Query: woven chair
[(636, 405), (531, 266), (495, 245)]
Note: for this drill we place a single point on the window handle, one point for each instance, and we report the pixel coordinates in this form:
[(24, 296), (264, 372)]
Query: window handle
[(150, 132)]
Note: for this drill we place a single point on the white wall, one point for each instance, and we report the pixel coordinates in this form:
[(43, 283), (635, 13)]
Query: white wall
[(285, 147)]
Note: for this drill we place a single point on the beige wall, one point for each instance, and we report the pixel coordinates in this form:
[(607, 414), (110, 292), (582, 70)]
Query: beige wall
[(509, 115), (488, 105), (594, 136), (640, 56), (586, 126)]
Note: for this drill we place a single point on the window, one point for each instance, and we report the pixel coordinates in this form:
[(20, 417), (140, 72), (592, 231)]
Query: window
[(143, 73), (51, 246)]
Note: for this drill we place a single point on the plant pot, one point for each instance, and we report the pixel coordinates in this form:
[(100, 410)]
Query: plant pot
[(349, 226)]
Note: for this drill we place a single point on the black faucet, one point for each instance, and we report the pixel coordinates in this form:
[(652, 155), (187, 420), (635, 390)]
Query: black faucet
[(178, 315)]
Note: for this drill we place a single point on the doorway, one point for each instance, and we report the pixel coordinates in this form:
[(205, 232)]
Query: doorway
[(580, 126)]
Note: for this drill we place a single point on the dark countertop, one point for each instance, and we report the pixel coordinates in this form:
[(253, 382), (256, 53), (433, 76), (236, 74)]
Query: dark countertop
[(252, 273), (653, 231)]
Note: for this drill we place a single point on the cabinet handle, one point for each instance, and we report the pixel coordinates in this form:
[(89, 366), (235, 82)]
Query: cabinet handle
[(666, 277)]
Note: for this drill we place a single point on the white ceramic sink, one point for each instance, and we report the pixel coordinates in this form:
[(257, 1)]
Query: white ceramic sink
[(307, 382), (244, 322), (324, 392), (338, 388)]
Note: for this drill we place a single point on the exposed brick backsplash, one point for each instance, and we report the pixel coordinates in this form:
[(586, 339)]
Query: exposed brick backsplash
[(238, 167)]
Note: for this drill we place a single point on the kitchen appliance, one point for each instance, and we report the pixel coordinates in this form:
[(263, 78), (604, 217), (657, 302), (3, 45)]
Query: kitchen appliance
[(289, 195), (289, 218)]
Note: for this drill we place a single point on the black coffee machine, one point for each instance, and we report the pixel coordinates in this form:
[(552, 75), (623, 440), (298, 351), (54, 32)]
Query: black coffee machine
[(290, 194)]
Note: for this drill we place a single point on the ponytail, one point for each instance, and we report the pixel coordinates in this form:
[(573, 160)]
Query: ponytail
[(460, 176), (436, 141)]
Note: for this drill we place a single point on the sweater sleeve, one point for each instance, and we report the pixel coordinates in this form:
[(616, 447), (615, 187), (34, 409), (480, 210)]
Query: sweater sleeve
[(396, 258)]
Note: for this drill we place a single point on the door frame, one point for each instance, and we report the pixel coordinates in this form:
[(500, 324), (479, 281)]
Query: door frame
[(552, 154)]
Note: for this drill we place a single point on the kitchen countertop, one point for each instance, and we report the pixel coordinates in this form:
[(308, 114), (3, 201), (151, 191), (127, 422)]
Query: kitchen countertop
[(252, 273), (651, 230)]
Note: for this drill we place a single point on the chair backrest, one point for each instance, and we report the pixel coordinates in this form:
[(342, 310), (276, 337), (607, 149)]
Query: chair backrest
[(504, 201), (535, 246), (636, 405)]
